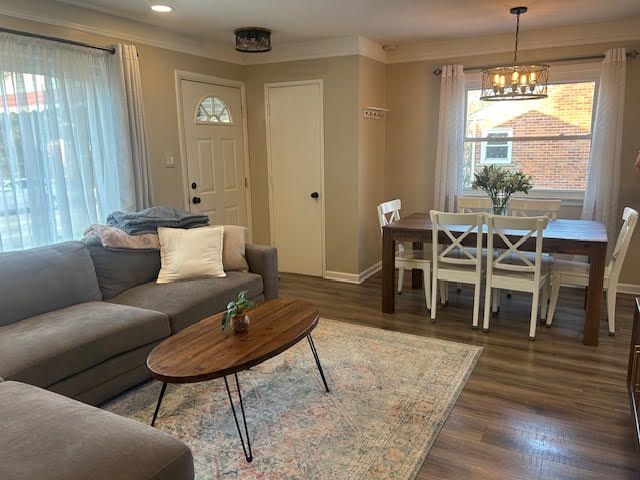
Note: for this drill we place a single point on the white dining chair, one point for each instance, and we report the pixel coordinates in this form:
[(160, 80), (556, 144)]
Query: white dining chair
[(473, 204), (509, 268), (528, 207), (406, 258), (577, 273), (453, 261)]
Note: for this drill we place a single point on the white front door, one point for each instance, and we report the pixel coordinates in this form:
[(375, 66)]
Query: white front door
[(295, 149), (214, 144)]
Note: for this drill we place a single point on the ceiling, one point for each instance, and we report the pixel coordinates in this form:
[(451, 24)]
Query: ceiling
[(385, 21)]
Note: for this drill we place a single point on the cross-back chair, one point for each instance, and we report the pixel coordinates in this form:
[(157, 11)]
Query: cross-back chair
[(453, 261), (510, 267), (577, 273), (406, 258), (528, 207)]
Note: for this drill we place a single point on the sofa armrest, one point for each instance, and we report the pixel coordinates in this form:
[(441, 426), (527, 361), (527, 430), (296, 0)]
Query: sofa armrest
[(264, 260)]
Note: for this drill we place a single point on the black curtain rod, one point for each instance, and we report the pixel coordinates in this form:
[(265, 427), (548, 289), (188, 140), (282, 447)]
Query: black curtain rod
[(110, 50), (631, 54)]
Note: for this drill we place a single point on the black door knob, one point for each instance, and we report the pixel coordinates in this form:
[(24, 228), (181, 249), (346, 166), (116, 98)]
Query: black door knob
[(196, 200), (314, 195)]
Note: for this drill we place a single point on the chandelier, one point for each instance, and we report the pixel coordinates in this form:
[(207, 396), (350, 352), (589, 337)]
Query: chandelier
[(515, 81)]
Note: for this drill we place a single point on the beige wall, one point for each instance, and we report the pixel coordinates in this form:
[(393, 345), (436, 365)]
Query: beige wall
[(372, 88), (340, 82), (157, 68), (413, 96)]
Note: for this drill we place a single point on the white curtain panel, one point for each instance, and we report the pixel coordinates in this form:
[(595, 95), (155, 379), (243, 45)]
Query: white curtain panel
[(449, 176), (126, 77), (603, 180), (59, 142)]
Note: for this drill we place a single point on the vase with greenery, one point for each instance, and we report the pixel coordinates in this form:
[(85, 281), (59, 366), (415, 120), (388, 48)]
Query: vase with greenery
[(235, 314), (500, 183)]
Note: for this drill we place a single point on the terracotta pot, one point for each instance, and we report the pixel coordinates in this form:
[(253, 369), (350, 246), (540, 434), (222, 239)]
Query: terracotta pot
[(240, 323)]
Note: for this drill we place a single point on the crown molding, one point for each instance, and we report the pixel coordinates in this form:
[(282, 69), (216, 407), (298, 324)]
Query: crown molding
[(107, 25), (324, 48), (571, 35)]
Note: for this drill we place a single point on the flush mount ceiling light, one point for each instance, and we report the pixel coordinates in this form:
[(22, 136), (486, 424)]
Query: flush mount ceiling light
[(515, 81), (253, 39), (161, 8)]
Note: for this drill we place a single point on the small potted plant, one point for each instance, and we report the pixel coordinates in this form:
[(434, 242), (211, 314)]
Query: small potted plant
[(235, 313), (500, 183)]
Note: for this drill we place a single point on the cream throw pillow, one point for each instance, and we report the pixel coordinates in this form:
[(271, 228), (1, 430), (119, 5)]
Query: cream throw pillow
[(190, 253), (233, 251)]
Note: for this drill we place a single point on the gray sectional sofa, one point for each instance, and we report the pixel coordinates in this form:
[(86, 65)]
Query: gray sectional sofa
[(80, 320)]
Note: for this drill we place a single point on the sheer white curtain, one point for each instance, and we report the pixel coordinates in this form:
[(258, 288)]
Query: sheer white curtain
[(60, 151), (449, 176), (126, 75), (603, 180)]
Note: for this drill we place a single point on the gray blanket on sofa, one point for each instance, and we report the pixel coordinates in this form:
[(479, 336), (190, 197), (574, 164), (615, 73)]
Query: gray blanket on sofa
[(149, 219)]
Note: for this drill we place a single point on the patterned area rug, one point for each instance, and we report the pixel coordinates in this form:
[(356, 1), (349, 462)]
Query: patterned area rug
[(390, 395)]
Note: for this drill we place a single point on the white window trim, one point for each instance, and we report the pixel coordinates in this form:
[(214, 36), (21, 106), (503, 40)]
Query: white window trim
[(562, 73), (483, 146)]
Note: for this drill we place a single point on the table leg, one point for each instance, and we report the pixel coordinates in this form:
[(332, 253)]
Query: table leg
[(416, 275), (597, 260), (246, 449), (155, 414), (388, 271), (317, 358)]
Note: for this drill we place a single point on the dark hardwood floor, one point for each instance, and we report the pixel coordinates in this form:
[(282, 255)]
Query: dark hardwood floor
[(549, 409)]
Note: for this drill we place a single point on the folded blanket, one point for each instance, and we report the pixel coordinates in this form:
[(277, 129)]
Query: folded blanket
[(149, 219), (116, 239)]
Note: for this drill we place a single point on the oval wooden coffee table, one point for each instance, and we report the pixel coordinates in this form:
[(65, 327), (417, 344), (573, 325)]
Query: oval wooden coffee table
[(204, 352)]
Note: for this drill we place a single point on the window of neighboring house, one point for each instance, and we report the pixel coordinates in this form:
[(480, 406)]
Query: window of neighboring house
[(549, 139), (498, 149)]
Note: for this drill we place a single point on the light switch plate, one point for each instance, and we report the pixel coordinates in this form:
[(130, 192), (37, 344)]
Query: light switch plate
[(170, 160)]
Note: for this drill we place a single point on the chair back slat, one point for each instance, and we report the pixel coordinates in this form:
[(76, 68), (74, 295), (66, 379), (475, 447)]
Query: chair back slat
[(474, 205), (513, 258), (630, 218), (527, 207), (453, 251)]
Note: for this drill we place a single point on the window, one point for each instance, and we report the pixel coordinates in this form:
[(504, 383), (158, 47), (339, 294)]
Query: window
[(496, 151), (60, 132), (212, 110), (549, 139)]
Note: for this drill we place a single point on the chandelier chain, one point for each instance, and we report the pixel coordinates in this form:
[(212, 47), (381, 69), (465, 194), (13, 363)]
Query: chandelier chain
[(515, 50)]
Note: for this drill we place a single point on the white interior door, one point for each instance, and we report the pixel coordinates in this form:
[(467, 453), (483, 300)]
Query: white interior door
[(295, 150), (214, 144)]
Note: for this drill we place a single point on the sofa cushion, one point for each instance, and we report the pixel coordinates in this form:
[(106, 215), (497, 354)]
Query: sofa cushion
[(189, 301), (45, 349), (46, 435), (43, 279), (120, 270)]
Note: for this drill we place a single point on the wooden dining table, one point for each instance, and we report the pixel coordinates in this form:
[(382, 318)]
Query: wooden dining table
[(573, 237)]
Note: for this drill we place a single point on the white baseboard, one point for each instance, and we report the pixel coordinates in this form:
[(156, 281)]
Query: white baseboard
[(353, 277)]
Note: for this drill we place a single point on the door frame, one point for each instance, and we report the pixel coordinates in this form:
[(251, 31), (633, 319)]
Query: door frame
[(225, 82), (268, 86)]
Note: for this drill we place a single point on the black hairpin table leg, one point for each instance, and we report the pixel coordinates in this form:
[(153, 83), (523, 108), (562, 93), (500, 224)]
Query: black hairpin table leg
[(155, 414), (317, 358), (246, 449)]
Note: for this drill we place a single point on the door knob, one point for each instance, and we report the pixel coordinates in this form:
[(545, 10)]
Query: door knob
[(194, 185), (314, 195), (196, 200)]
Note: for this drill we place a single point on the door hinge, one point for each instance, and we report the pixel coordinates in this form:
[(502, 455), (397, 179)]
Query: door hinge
[(246, 182)]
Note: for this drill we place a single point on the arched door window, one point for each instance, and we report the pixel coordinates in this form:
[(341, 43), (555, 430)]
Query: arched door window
[(213, 110)]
